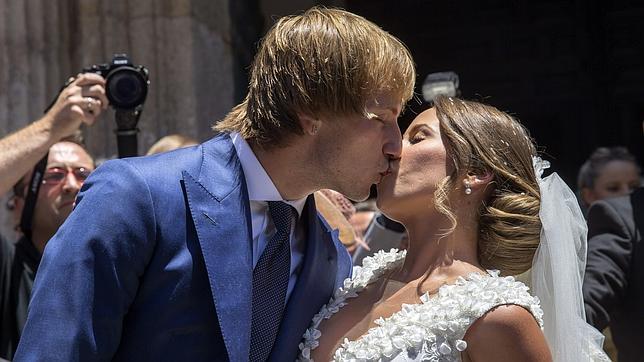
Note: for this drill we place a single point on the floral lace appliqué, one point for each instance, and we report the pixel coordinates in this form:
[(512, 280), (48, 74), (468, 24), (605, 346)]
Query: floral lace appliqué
[(373, 267), (429, 331)]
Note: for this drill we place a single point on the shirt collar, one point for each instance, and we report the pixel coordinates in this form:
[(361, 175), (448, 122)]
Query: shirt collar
[(260, 186)]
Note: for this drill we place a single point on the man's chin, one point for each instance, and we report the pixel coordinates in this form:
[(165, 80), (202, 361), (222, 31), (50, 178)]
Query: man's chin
[(357, 196), (65, 209)]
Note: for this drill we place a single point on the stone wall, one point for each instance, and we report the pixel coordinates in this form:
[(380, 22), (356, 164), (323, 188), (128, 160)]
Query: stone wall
[(197, 52)]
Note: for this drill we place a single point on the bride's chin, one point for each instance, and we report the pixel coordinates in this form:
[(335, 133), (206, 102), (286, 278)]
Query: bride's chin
[(384, 202)]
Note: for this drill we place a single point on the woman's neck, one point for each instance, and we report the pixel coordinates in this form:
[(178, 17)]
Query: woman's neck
[(431, 255)]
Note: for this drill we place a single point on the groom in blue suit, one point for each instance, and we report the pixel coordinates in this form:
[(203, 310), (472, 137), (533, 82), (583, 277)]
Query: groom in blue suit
[(217, 252)]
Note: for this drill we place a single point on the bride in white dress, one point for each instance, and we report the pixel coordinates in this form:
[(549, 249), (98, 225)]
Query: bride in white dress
[(468, 189)]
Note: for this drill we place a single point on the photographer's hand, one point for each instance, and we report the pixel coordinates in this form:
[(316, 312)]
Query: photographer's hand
[(82, 101)]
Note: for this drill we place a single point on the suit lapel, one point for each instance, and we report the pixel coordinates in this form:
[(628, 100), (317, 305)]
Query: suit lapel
[(218, 202), (314, 286)]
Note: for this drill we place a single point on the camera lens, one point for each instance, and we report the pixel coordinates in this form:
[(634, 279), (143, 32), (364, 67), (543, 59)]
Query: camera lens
[(126, 88)]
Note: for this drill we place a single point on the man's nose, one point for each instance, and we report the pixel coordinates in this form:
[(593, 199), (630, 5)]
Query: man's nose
[(393, 143), (71, 183)]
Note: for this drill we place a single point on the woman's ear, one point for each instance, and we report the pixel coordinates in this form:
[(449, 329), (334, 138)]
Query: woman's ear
[(485, 177), (474, 182)]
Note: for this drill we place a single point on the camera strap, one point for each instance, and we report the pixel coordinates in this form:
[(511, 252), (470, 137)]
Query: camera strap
[(26, 218)]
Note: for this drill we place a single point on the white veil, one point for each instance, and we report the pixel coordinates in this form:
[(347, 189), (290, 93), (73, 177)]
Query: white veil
[(558, 272)]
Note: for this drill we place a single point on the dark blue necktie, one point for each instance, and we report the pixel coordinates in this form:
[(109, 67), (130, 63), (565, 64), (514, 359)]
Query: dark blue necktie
[(270, 283)]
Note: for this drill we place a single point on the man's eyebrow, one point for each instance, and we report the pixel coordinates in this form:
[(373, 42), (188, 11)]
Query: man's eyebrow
[(64, 165), (374, 114), (56, 165)]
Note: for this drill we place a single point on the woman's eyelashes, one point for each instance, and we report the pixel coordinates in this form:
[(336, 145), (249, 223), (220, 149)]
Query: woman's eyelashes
[(415, 139), (418, 135)]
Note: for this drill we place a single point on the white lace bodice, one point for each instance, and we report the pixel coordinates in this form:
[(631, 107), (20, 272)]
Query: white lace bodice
[(432, 330)]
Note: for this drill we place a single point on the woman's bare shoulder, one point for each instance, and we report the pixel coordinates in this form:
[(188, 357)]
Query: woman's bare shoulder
[(507, 333)]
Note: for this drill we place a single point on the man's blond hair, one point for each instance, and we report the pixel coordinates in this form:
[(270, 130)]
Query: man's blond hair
[(322, 63)]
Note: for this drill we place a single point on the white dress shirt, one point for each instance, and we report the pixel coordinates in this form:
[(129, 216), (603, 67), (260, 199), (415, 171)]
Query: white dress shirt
[(260, 190)]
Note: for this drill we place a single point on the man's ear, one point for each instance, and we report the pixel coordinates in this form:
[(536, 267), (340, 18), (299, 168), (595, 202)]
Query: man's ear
[(16, 211), (309, 124)]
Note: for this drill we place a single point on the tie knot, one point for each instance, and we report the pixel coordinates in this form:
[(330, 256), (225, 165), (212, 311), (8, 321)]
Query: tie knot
[(282, 214)]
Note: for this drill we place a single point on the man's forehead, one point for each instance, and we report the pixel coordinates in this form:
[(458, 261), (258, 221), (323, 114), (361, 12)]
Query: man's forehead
[(68, 154)]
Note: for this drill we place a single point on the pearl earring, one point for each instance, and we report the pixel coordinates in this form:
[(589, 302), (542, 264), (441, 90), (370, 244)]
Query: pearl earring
[(314, 129), (468, 189)]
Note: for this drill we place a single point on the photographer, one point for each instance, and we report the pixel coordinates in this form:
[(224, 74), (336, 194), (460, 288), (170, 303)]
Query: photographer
[(68, 164), (82, 101)]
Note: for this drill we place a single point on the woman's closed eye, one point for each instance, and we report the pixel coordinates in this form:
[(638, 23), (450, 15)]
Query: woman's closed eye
[(419, 134), (417, 137)]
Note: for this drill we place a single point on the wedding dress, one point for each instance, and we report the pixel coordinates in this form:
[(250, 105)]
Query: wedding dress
[(432, 330)]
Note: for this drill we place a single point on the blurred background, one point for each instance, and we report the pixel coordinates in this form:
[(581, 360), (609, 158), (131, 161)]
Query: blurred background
[(571, 71)]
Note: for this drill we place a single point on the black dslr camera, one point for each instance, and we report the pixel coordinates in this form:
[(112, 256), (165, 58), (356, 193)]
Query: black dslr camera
[(126, 84), (126, 87)]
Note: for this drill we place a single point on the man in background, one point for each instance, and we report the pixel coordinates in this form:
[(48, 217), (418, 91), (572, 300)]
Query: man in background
[(614, 280), (68, 165)]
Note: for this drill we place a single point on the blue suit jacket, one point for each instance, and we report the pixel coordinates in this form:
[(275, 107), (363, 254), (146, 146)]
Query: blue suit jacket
[(155, 263)]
